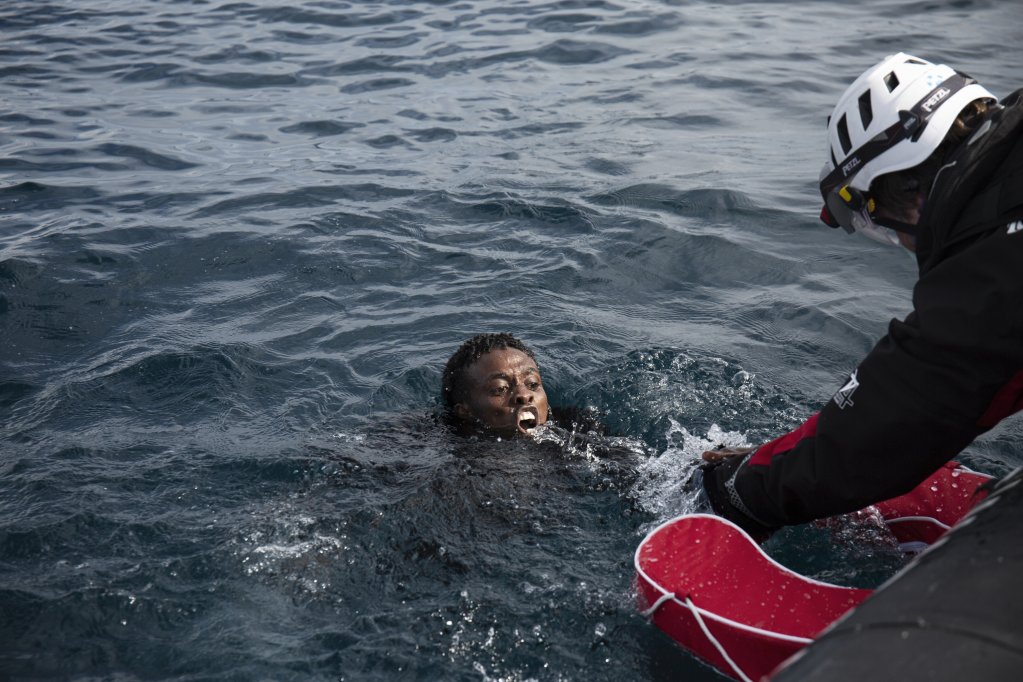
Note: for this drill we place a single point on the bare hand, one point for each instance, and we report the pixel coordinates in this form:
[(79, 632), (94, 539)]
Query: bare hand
[(720, 453)]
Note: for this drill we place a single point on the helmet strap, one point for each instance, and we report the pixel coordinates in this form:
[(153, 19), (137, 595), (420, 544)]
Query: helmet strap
[(897, 225), (910, 126)]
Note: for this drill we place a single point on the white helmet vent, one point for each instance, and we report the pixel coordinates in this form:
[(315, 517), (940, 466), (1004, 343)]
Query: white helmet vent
[(843, 135), (891, 81), (866, 110)]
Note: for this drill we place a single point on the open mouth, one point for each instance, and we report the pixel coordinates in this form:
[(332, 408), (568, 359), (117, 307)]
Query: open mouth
[(527, 419)]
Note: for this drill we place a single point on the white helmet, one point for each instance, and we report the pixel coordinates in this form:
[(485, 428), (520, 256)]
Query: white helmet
[(891, 118)]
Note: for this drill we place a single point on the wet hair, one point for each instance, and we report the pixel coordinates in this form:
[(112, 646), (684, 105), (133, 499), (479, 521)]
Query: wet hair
[(453, 389), (897, 192)]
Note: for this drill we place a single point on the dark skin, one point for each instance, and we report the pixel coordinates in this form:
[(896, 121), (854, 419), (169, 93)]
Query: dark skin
[(504, 394)]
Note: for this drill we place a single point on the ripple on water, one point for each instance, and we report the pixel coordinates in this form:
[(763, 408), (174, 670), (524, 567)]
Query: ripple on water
[(239, 241)]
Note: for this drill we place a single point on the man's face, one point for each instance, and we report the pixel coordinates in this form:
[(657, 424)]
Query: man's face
[(505, 393), (910, 216)]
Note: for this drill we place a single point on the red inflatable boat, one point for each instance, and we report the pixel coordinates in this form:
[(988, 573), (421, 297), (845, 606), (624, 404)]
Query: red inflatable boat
[(709, 585)]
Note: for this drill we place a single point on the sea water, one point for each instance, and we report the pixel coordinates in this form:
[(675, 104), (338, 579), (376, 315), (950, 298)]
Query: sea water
[(238, 240)]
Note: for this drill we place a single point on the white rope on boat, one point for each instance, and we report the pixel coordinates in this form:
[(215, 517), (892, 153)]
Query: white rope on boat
[(657, 604), (713, 640)]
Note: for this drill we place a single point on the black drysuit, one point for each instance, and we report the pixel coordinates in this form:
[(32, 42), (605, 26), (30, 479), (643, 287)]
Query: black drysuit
[(948, 372)]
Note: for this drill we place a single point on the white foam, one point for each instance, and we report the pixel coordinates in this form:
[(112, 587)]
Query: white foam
[(661, 486)]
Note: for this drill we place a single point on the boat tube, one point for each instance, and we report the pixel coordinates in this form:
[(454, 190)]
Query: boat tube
[(954, 613), (708, 585)]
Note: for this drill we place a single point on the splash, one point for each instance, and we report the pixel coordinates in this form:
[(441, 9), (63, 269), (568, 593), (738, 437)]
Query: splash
[(668, 485)]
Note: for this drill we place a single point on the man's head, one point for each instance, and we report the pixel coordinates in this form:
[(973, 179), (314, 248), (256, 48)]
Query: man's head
[(493, 381), (888, 136)]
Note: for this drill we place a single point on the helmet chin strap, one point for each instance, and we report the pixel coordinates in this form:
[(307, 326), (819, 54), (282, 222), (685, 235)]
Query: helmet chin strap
[(897, 225)]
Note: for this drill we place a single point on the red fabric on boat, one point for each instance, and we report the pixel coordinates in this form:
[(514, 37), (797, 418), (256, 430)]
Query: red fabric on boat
[(756, 611), (774, 612), (925, 513)]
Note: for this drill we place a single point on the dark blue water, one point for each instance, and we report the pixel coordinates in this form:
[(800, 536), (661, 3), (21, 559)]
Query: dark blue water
[(238, 240)]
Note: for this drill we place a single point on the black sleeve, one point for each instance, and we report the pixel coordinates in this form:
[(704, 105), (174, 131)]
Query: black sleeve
[(947, 373)]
